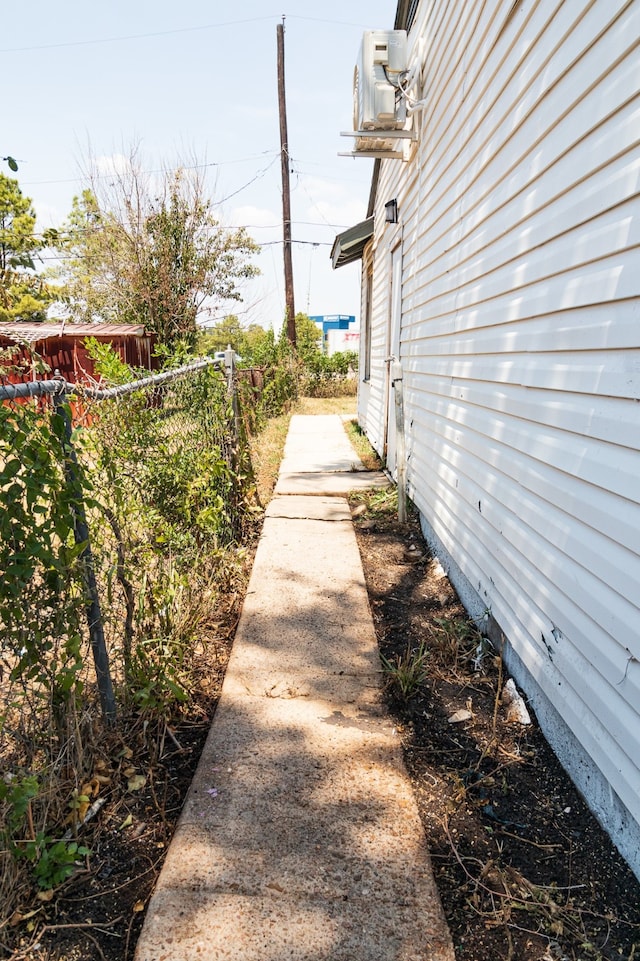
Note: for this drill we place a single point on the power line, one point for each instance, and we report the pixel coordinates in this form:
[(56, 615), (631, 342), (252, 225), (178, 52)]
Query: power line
[(258, 176), (299, 223), (313, 202), (172, 32), (312, 243), (338, 23), (133, 36), (264, 243), (215, 163)]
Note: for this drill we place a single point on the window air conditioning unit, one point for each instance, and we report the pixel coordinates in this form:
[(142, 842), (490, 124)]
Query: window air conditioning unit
[(377, 103)]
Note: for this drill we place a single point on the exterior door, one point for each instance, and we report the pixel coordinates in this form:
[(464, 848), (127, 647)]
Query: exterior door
[(393, 353)]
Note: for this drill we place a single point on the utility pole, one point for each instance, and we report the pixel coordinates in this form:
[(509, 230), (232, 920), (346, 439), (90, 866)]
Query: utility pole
[(286, 193)]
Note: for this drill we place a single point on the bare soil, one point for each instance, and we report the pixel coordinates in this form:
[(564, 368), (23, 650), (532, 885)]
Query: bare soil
[(523, 869)]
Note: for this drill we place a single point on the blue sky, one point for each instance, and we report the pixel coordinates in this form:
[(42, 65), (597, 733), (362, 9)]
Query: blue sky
[(199, 80)]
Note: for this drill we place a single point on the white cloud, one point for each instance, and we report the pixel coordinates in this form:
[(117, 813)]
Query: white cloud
[(116, 163), (250, 216)]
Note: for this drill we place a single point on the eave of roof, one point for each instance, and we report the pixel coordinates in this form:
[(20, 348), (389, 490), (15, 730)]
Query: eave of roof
[(31, 333), (349, 245)]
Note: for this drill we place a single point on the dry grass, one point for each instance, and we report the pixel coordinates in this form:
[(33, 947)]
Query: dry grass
[(266, 455), (326, 405), (362, 446)]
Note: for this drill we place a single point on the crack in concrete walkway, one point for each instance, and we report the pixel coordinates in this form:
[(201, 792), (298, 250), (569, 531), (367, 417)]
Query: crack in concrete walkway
[(300, 837)]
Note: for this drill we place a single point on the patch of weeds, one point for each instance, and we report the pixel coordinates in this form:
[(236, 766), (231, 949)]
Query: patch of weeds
[(54, 860), (361, 445), (267, 449), (345, 406), (458, 641), (406, 673), (379, 503)]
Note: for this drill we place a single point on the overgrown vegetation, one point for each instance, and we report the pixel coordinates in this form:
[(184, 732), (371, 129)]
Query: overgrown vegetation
[(166, 481), (361, 444), (405, 673), (24, 295), (287, 373), (166, 484)]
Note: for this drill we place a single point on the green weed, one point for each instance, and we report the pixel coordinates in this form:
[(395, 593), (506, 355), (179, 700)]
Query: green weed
[(406, 673)]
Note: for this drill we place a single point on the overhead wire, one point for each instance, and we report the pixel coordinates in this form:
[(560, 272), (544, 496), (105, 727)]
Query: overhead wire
[(173, 31), (134, 36), (202, 166), (299, 174), (258, 176)]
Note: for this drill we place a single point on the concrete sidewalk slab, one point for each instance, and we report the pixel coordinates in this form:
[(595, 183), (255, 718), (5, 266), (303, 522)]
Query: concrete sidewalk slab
[(330, 483), (314, 444), (319, 459), (300, 837)]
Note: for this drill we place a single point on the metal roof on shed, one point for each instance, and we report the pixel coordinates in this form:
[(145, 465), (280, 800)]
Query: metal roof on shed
[(30, 333)]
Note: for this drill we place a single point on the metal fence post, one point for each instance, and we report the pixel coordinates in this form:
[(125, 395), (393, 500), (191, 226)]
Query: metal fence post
[(230, 369), (81, 534)]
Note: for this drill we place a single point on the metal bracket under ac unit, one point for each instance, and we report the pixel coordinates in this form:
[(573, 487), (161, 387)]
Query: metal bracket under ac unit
[(375, 150), (382, 154), (381, 134)]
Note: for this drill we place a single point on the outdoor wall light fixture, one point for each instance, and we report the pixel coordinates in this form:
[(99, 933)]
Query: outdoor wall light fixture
[(391, 212)]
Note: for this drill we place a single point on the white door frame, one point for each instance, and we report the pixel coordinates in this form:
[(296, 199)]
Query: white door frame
[(393, 353)]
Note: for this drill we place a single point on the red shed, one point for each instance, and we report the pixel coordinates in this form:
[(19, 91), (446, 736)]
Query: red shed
[(62, 347)]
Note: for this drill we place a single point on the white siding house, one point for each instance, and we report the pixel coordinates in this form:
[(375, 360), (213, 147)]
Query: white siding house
[(508, 289)]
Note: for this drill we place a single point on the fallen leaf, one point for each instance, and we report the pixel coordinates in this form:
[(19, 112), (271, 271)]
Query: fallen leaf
[(136, 783), (92, 788), (128, 821)]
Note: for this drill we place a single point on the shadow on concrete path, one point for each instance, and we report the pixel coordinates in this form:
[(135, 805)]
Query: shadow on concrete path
[(300, 837)]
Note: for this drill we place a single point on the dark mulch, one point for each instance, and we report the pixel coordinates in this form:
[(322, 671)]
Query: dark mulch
[(524, 870)]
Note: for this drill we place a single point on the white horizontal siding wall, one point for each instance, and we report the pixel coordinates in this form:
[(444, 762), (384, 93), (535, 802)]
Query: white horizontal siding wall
[(372, 394), (521, 339)]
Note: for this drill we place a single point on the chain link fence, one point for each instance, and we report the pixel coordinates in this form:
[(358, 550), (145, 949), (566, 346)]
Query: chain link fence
[(115, 504), (125, 516)]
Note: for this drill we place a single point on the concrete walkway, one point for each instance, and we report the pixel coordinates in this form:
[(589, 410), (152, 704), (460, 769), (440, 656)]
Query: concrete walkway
[(300, 838)]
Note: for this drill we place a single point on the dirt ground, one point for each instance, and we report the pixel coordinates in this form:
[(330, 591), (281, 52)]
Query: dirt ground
[(524, 871), (97, 914)]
